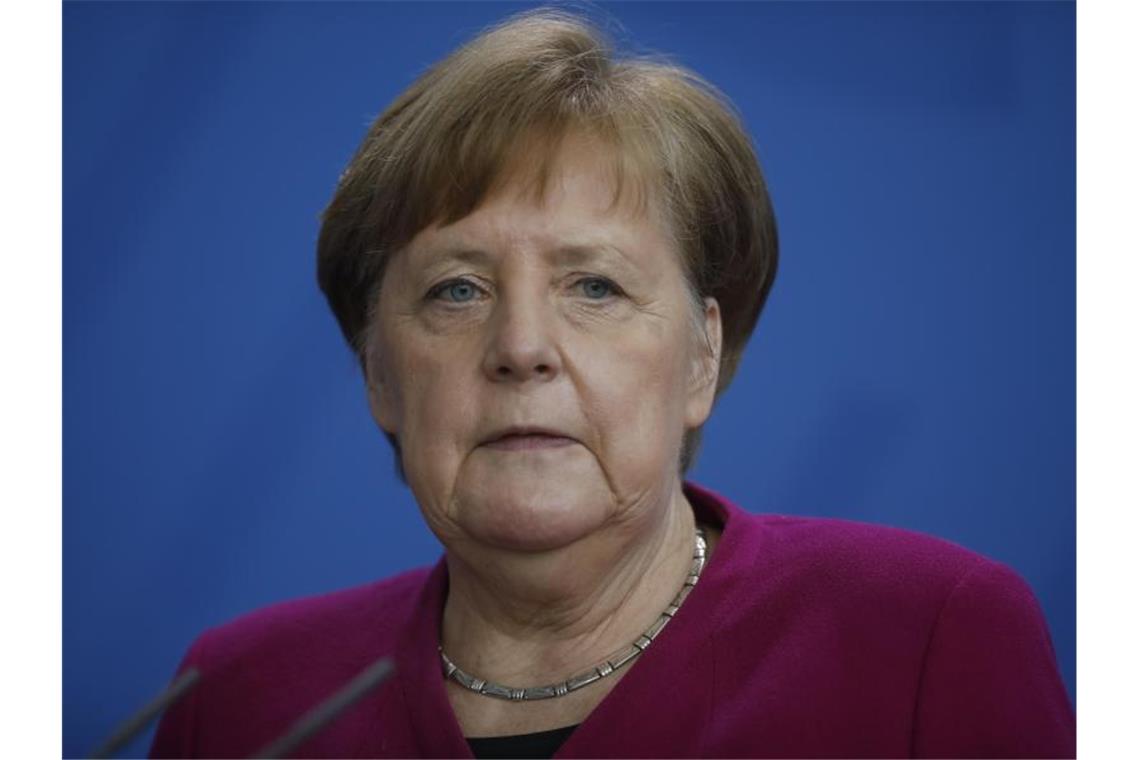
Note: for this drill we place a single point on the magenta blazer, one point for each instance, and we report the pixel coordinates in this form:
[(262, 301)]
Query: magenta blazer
[(805, 637)]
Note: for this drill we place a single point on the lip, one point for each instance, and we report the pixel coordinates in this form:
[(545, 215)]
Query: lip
[(524, 437)]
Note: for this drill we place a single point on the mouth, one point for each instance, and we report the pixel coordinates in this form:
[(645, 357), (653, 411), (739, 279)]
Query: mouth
[(526, 438)]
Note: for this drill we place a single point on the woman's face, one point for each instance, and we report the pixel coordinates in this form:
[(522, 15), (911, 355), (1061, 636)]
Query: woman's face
[(539, 362)]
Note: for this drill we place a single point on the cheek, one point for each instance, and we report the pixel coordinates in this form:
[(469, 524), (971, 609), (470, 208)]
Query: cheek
[(437, 412), (633, 393)]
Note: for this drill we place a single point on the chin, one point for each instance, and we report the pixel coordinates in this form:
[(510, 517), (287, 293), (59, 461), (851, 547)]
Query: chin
[(534, 511)]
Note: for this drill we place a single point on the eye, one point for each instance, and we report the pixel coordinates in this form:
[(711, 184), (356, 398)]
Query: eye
[(597, 288), (455, 291)]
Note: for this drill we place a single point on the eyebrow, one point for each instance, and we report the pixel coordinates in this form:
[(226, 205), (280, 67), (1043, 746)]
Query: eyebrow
[(582, 254), (568, 254), (447, 254)]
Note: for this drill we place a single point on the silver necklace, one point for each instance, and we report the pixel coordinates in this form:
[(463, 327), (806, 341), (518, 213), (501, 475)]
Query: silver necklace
[(562, 688)]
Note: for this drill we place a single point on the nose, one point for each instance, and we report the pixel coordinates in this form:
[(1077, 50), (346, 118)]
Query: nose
[(522, 345)]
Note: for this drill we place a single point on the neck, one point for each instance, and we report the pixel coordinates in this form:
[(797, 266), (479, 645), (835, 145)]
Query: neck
[(529, 619)]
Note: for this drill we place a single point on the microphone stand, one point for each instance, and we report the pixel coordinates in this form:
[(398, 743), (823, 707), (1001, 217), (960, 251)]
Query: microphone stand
[(134, 725), (324, 713), (306, 727)]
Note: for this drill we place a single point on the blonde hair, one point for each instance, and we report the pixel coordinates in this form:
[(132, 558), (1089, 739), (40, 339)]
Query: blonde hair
[(454, 136)]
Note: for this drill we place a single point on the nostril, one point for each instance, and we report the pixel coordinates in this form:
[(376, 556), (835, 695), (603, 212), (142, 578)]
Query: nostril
[(512, 371)]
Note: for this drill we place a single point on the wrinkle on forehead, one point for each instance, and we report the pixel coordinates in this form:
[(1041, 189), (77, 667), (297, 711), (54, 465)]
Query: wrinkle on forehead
[(541, 173), (538, 170)]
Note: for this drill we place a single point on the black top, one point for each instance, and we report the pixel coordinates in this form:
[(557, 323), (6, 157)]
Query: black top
[(540, 744)]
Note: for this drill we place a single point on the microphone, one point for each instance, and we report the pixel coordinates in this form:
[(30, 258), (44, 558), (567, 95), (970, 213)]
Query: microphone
[(133, 726), (324, 713)]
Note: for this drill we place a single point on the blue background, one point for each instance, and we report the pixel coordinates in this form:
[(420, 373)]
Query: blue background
[(915, 365)]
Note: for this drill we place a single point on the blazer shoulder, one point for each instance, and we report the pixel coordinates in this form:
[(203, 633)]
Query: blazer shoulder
[(367, 617), (273, 664), (815, 549), (850, 561), (869, 548)]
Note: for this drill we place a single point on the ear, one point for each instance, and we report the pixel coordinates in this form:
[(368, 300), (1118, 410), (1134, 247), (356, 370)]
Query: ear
[(705, 368), (380, 395)]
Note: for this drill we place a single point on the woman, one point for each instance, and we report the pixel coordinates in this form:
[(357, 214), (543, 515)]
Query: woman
[(549, 262)]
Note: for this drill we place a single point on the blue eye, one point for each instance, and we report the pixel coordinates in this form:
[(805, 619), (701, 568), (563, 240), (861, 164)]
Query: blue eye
[(597, 288), (456, 291)]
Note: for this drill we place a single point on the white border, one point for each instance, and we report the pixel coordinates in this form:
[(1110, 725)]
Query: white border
[(1108, 350), (31, 393)]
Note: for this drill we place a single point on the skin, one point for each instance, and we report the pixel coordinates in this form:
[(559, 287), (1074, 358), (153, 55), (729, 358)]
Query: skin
[(571, 313)]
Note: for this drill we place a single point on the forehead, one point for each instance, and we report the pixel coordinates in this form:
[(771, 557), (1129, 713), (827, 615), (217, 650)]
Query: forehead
[(585, 200)]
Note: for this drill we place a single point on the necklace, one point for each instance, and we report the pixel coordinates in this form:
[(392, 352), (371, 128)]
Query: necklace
[(562, 688)]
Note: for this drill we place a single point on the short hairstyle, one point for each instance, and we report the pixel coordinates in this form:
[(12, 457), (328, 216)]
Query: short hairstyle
[(447, 142)]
